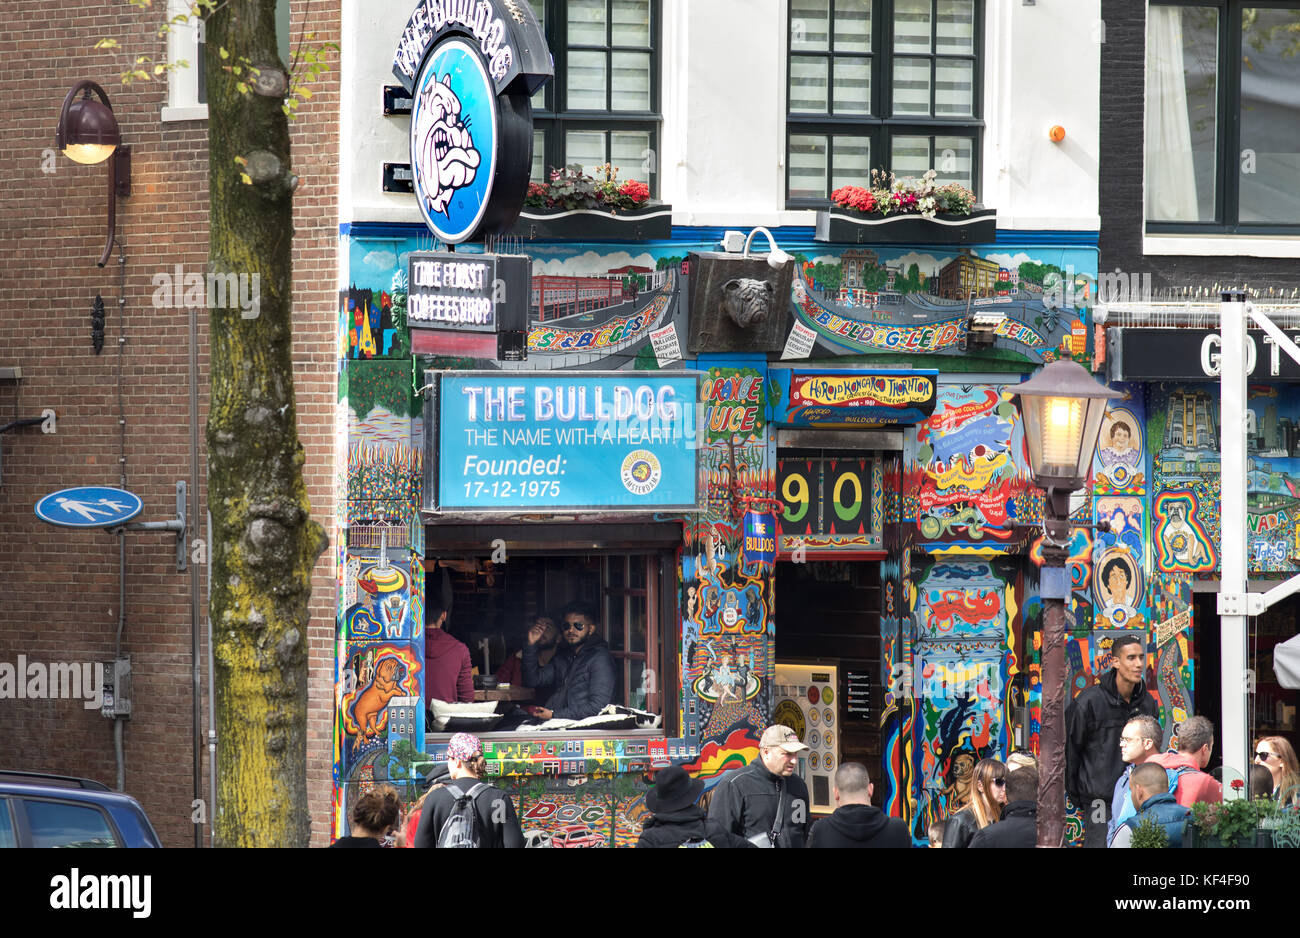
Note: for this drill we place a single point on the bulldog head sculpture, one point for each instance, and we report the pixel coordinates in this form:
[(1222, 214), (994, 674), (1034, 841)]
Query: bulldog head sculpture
[(747, 301)]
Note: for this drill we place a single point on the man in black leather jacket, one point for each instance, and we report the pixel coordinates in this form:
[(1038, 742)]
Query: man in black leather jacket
[(766, 802), (1094, 722), (582, 672)]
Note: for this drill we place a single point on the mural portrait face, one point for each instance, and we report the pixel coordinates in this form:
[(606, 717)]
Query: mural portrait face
[(1116, 580)]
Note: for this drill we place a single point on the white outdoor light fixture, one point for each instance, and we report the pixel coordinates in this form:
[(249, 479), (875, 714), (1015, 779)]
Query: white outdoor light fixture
[(1062, 407), (776, 258)]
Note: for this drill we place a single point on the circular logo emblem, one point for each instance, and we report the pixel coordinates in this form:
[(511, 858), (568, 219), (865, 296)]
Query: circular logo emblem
[(454, 128), (829, 714), (828, 695), (787, 713), (641, 472), (812, 695)]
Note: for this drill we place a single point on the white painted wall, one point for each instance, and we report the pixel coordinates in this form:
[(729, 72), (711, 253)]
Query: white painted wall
[(723, 104)]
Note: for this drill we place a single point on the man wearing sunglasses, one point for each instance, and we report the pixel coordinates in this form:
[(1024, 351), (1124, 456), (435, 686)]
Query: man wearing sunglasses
[(582, 671)]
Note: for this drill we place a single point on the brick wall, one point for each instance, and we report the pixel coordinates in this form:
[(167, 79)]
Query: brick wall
[(61, 586), (1123, 66)]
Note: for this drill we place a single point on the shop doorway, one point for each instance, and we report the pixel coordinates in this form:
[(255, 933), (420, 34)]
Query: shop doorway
[(1274, 708), (828, 616)]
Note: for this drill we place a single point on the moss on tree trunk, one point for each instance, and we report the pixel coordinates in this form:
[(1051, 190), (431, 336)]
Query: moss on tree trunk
[(264, 541)]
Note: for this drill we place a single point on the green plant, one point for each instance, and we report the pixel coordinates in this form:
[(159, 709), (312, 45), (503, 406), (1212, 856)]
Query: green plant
[(1233, 822), (570, 188), (1149, 833)]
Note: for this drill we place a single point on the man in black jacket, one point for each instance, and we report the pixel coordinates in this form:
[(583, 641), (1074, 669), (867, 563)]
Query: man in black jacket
[(1094, 722), (678, 821), (1019, 824), (856, 823), (766, 802), (582, 671)]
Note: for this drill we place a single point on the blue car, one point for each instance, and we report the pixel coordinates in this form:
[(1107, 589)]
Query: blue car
[(39, 810)]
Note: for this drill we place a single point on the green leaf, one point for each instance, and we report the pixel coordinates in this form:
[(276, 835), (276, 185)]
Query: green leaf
[(222, 51), (107, 44), (247, 179)]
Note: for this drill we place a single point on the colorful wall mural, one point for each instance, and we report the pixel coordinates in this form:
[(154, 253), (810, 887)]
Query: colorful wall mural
[(958, 649)]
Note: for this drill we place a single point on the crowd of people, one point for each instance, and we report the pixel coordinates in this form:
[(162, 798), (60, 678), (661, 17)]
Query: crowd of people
[(1116, 771)]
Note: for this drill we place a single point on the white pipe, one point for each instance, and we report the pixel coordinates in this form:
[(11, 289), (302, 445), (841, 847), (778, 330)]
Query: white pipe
[(1234, 632)]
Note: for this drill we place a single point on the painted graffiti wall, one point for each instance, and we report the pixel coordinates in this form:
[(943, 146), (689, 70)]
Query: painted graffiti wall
[(959, 611)]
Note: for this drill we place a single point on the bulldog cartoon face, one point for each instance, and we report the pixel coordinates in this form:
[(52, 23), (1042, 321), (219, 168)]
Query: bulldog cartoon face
[(443, 147)]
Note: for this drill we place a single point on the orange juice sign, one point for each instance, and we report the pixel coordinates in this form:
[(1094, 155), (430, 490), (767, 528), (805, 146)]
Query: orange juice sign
[(735, 402)]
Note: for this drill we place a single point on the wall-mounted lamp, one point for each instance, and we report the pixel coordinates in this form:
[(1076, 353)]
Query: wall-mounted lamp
[(88, 133), (776, 258)]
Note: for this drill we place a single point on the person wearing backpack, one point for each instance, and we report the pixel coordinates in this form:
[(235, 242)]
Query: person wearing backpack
[(468, 812), (1195, 744), (678, 820)]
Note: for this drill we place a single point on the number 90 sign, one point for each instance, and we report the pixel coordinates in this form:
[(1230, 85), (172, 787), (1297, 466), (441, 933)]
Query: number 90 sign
[(824, 496)]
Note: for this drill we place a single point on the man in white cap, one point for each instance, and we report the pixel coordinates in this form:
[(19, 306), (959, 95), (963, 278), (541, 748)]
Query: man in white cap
[(766, 802)]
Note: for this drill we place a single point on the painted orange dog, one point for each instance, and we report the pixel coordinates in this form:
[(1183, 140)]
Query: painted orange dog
[(369, 710)]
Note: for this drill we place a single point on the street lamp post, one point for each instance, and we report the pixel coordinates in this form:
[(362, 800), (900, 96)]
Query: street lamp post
[(1062, 408)]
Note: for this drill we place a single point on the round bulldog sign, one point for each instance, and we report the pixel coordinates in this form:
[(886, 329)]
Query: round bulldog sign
[(453, 140), (471, 67)]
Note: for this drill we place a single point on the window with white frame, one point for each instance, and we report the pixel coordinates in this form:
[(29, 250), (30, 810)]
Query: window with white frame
[(187, 91), (1223, 117), (888, 84), (603, 104)]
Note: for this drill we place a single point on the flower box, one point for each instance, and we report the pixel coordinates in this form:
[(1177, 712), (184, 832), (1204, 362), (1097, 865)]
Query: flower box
[(650, 222), (839, 225)]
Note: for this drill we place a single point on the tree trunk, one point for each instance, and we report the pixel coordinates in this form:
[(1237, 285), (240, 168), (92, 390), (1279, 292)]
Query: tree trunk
[(264, 541)]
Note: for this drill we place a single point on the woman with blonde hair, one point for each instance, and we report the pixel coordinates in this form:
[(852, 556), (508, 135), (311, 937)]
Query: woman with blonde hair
[(988, 793), (1276, 755)]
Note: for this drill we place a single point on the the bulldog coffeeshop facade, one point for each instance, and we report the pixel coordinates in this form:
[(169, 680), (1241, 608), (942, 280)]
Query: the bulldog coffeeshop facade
[(658, 430)]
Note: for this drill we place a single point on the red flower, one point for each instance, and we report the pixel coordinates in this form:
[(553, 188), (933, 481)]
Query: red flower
[(854, 197), (638, 192), (1238, 784)]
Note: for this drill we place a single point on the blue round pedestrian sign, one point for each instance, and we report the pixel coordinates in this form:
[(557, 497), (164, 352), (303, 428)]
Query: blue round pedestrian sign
[(89, 507)]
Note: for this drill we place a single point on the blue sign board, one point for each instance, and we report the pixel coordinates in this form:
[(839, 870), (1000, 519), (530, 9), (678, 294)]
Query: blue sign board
[(626, 442), (89, 507)]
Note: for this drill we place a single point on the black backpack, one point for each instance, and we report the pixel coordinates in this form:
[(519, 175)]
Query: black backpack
[(462, 827)]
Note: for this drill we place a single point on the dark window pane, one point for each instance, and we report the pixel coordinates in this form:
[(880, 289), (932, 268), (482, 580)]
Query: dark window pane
[(852, 162), (7, 837), (631, 22), (631, 75), (1182, 113), (810, 25), (58, 824), (911, 25), (1270, 116), (809, 84), (853, 25), (911, 86), (807, 166), (955, 26), (853, 86), (954, 88), (586, 85), (586, 22)]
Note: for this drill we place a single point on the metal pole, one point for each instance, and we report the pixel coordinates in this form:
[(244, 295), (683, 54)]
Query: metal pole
[(1232, 586), (1051, 756)]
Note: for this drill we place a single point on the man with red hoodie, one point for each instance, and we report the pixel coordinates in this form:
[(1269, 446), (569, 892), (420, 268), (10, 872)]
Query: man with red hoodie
[(1195, 743), (448, 674)]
